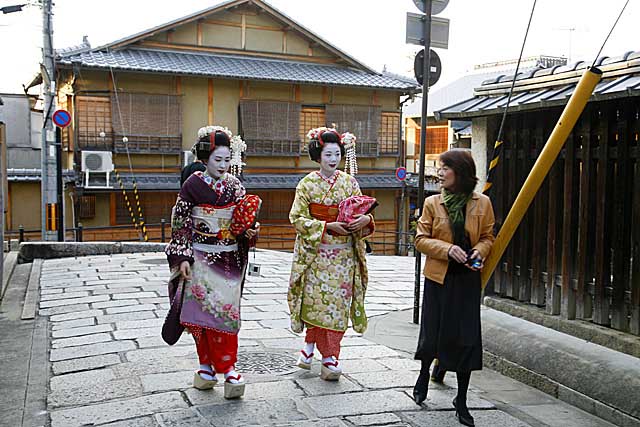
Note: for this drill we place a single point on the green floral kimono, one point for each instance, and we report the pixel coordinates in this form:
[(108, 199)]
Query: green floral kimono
[(329, 273)]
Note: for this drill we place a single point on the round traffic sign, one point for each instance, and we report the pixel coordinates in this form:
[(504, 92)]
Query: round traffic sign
[(435, 66), (437, 6), (61, 118), (401, 173)]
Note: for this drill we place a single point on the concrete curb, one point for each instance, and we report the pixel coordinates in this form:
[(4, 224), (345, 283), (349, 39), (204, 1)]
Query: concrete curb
[(10, 261), (557, 390), (597, 379), (587, 331), (48, 250)]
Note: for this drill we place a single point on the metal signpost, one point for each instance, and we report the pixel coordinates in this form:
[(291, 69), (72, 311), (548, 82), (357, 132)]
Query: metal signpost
[(424, 30), (62, 119)]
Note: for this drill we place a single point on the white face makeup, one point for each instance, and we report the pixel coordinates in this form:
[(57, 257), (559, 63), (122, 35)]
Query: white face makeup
[(219, 161), (329, 159)]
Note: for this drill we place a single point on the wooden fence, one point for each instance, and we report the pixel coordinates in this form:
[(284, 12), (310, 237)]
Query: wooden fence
[(577, 251)]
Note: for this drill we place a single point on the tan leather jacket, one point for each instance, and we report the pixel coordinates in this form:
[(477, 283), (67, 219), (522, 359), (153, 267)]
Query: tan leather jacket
[(434, 236)]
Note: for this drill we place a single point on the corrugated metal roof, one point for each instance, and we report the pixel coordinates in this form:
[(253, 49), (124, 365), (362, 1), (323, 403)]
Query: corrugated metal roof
[(549, 87), (234, 67)]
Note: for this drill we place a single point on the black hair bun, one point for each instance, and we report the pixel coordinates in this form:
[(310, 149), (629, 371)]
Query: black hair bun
[(330, 137)]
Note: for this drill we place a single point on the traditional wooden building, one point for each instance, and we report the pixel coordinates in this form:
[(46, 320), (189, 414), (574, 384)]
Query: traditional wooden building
[(137, 104), (577, 251)]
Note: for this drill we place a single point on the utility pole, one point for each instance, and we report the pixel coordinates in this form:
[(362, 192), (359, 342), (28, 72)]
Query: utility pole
[(427, 31), (3, 171), (48, 152)]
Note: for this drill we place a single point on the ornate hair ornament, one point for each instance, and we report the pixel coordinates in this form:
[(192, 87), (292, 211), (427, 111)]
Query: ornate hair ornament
[(350, 160), (236, 145), (316, 134), (210, 131)]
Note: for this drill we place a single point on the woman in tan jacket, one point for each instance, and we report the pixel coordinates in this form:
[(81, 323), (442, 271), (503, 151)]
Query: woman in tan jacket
[(455, 232)]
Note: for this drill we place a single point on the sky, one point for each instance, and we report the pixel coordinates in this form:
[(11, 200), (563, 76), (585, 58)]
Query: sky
[(372, 31)]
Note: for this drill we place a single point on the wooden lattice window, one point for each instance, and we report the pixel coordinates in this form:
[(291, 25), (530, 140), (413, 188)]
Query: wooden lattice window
[(389, 129), (270, 127), (361, 120), (310, 118), (275, 204), (155, 206), (87, 207), (437, 139), (93, 118), (151, 122)]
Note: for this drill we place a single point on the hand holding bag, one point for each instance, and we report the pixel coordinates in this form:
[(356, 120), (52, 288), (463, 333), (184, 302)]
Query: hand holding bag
[(355, 205)]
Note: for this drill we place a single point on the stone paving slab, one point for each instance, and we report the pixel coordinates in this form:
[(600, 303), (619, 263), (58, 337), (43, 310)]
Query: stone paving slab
[(81, 379), (184, 417), (79, 331), (90, 350), (94, 393), (115, 411), (81, 340), (87, 321), (366, 402), (85, 363), (448, 419), (253, 413)]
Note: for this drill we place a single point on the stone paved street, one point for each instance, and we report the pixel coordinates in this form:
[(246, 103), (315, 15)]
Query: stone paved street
[(109, 365)]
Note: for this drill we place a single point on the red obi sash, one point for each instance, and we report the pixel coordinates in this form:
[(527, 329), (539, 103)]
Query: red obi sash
[(324, 212)]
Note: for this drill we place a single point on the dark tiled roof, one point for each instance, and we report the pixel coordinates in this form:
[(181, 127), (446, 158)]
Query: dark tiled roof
[(235, 67), (72, 50), (171, 182), (549, 87), (34, 175)]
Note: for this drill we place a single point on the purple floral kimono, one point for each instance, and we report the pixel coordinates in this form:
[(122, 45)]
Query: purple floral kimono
[(207, 229)]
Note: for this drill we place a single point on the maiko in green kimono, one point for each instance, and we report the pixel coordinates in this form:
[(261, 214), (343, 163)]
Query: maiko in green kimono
[(329, 273)]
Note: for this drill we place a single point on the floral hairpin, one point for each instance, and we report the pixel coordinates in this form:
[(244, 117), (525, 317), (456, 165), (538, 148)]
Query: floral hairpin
[(316, 134), (238, 146), (350, 160)]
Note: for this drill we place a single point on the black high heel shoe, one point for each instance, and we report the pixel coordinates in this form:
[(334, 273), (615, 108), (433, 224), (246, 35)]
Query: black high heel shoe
[(463, 415), (437, 376), (421, 388)]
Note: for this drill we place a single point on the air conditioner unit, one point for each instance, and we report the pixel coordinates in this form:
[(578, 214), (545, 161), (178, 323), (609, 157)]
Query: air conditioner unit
[(97, 161), (187, 158), (96, 167)]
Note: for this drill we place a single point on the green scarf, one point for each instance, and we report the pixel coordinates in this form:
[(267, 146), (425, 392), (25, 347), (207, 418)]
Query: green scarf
[(455, 203)]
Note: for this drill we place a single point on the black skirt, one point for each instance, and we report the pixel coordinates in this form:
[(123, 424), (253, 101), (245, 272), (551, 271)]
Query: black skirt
[(450, 325)]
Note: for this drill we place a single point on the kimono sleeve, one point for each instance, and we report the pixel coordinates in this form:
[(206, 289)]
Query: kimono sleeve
[(308, 228), (179, 248)]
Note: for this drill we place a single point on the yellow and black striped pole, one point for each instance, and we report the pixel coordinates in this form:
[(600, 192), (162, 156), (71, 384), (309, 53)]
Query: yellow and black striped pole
[(140, 217), (497, 151), (126, 199)]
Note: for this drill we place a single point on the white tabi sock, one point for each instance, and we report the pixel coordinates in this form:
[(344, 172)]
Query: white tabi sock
[(206, 376), (309, 348), (233, 373), (336, 368)]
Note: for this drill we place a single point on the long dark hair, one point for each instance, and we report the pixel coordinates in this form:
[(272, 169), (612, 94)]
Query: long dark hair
[(461, 161)]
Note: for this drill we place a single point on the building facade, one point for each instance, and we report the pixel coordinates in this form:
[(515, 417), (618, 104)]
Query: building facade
[(137, 104)]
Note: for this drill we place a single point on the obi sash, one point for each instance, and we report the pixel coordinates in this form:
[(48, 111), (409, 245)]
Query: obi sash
[(323, 212)]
